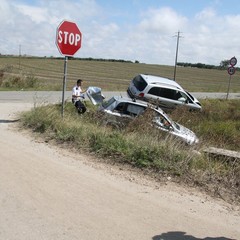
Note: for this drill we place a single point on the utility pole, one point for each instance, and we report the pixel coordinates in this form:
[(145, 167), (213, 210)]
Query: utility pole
[(19, 56), (175, 67)]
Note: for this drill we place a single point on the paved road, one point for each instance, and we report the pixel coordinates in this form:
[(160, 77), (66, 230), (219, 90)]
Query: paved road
[(56, 96)]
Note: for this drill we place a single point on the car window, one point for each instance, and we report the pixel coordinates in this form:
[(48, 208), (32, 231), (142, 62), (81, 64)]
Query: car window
[(183, 97), (164, 92), (161, 121), (139, 83), (191, 97), (135, 109), (154, 91), (121, 108)]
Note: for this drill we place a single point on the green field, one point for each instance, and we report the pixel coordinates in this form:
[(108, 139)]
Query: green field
[(112, 76)]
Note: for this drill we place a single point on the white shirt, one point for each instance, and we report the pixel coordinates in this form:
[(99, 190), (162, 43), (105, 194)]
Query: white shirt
[(77, 91)]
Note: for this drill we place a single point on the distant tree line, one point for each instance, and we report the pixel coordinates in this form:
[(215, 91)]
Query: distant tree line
[(224, 64), (102, 59)]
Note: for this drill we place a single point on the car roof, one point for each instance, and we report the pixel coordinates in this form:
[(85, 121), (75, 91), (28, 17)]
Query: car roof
[(151, 79), (138, 102), (130, 100)]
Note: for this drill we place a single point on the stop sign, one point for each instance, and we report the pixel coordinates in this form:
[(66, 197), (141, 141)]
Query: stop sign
[(69, 38)]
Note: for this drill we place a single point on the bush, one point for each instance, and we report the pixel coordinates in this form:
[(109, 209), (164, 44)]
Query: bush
[(218, 123), (20, 81), (30, 81)]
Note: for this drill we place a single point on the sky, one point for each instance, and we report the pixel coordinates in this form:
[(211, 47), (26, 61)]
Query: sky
[(135, 30)]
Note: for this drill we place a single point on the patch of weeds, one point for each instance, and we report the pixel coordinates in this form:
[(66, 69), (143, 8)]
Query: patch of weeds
[(19, 81)]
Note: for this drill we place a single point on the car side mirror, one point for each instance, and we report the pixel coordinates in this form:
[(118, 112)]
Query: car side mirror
[(182, 99)]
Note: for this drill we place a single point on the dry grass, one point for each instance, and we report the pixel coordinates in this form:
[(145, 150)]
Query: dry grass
[(218, 124), (139, 146), (115, 76)]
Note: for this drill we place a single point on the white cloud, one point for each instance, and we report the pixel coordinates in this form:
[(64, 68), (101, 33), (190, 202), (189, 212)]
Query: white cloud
[(210, 38), (36, 14), (206, 14), (99, 40), (164, 20), (207, 37)]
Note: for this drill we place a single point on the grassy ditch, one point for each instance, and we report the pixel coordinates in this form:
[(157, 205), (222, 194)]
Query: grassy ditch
[(154, 153)]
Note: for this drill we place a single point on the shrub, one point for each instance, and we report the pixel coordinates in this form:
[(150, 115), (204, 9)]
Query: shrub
[(20, 81), (218, 123), (30, 81)]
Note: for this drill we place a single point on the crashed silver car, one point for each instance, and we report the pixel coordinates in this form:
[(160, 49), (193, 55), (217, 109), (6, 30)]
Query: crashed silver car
[(120, 110), (165, 92)]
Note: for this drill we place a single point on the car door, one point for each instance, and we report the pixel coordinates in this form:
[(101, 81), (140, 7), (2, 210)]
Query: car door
[(164, 97), (95, 95), (186, 99)]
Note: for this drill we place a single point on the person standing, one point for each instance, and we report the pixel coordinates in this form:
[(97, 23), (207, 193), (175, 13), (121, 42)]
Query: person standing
[(78, 96)]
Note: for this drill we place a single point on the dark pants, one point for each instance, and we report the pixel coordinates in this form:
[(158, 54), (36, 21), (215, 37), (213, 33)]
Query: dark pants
[(80, 107)]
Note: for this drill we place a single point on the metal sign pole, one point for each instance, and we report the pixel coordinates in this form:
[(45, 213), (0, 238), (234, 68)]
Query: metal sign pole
[(231, 70), (64, 83), (228, 86)]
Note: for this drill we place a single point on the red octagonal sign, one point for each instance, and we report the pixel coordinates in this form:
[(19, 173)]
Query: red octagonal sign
[(69, 38)]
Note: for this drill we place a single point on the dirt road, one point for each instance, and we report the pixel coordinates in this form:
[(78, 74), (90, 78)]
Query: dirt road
[(48, 193)]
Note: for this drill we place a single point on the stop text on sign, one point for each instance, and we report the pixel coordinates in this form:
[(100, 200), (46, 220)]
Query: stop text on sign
[(68, 38)]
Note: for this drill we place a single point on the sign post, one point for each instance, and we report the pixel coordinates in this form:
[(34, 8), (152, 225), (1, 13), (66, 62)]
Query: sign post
[(231, 70), (68, 41), (64, 83)]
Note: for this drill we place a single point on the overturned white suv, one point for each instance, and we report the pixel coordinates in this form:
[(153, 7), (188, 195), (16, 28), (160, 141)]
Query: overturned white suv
[(165, 92), (119, 110)]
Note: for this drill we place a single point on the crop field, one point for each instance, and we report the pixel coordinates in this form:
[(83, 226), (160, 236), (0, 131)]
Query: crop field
[(113, 76)]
